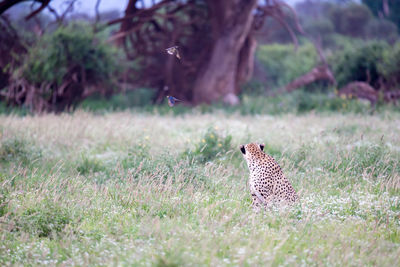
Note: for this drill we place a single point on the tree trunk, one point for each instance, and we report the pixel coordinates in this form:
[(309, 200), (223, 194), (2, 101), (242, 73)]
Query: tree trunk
[(231, 22), (316, 74), (245, 67), (127, 24)]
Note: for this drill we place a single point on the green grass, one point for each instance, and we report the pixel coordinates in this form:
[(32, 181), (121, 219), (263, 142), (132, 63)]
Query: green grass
[(130, 188)]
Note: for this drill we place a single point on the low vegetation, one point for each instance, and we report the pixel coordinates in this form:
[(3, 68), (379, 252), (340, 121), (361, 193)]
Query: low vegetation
[(136, 188)]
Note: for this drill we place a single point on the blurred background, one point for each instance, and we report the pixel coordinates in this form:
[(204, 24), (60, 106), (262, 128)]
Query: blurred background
[(252, 56)]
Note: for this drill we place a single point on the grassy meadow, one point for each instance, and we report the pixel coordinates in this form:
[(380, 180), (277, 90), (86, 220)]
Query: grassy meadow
[(127, 188)]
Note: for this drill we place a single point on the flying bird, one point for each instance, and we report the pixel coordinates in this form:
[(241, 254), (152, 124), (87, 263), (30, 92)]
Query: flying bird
[(173, 51), (172, 100)]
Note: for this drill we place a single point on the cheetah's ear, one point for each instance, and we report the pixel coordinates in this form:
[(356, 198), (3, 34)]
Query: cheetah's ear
[(243, 149), (262, 147)]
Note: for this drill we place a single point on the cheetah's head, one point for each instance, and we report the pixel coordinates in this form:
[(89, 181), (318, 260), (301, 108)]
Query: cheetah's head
[(252, 151)]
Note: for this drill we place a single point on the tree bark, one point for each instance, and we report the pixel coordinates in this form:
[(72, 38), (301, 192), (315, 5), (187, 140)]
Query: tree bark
[(127, 24), (231, 23), (245, 67)]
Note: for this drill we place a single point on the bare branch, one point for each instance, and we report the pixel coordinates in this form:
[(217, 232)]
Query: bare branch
[(97, 16), (37, 11)]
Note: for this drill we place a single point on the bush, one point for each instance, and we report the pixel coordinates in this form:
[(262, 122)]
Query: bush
[(376, 63), (359, 63), (61, 65), (320, 27), (88, 165), (382, 29), (283, 64), (45, 220), (71, 47), (390, 67), (3, 201), (377, 8), (336, 42), (350, 19), (18, 150)]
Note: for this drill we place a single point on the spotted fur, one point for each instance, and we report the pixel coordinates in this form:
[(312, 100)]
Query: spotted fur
[(267, 182)]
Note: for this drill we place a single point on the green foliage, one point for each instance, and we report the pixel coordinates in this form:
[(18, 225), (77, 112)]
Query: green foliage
[(382, 29), (171, 261), (320, 27), (350, 19), (375, 62), (212, 145), (88, 165), (283, 64), (300, 102), (137, 156), (45, 220), (254, 101), (13, 150), (359, 63), (377, 8), (390, 67), (3, 200), (71, 49), (338, 42), (18, 111), (138, 98)]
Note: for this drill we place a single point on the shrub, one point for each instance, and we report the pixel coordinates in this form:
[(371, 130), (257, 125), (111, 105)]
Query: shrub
[(210, 146), (283, 64), (377, 8), (18, 150), (137, 156), (350, 19), (3, 201), (381, 29), (88, 165), (359, 63), (61, 65), (390, 67), (320, 27), (337, 42), (71, 47), (45, 220)]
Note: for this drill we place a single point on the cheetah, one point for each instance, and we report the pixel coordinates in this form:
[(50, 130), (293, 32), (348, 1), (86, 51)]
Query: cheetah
[(267, 182)]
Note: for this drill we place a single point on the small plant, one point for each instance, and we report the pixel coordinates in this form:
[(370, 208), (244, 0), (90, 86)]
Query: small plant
[(88, 165), (17, 150), (136, 156), (3, 202), (211, 145), (43, 221)]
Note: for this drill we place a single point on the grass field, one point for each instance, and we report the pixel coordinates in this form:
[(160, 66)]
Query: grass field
[(138, 189)]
